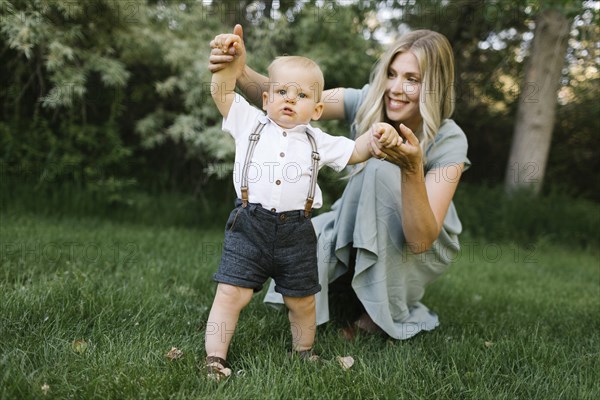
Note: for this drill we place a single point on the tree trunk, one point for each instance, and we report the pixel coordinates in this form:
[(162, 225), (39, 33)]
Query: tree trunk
[(537, 104)]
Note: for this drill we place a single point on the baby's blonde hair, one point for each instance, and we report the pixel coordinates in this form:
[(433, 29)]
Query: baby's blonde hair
[(305, 63)]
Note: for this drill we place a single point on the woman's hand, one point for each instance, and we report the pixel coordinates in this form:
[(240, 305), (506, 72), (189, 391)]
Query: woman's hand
[(227, 48), (386, 145)]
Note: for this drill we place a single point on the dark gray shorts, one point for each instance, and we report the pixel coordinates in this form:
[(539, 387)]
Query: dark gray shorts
[(261, 244)]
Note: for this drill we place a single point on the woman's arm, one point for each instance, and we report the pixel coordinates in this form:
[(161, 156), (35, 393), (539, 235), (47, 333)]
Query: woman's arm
[(334, 104), (425, 202), (425, 198), (253, 84)]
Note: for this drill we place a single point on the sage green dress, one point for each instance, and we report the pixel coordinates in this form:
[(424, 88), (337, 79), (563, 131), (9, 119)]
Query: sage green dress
[(388, 280)]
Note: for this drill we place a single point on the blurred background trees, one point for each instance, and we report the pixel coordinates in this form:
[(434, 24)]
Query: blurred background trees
[(115, 94)]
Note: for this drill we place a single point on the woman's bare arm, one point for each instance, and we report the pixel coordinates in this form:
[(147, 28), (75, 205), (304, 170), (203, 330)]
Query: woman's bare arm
[(425, 198)]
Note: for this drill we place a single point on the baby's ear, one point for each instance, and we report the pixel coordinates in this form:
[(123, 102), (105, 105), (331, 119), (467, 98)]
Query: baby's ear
[(265, 97), (318, 111)]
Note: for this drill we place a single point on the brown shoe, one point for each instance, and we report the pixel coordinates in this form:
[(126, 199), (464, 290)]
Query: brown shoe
[(217, 368)]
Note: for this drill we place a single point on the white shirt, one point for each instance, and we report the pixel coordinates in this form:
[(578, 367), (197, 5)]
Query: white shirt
[(280, 171)]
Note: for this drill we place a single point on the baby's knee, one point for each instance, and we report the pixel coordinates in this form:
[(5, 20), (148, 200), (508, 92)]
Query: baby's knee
[(300, 303), (233, 295)]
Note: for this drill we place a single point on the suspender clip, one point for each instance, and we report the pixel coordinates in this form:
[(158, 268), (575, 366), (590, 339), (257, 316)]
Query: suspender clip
[(308, 207), (244, 196)]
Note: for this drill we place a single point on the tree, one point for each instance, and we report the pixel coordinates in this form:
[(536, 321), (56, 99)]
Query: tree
[(537, 103)]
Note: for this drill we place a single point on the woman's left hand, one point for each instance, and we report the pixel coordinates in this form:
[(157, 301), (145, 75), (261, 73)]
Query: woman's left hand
[(406, 154)]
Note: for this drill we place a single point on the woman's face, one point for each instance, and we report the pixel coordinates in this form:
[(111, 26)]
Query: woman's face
[(403, 91)]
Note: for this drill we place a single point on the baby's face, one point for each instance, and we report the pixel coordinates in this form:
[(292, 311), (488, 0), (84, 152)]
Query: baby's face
[(292, 98)]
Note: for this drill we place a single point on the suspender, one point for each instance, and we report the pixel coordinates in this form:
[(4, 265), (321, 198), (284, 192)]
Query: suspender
[(313, 177), (253, 141), (254, 137)]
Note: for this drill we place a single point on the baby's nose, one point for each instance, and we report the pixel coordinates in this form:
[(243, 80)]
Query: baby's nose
[(292, 94)]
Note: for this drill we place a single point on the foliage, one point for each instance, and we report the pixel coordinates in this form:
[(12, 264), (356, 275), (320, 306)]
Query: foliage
[(62, 102), (487, 212), (122, 87)]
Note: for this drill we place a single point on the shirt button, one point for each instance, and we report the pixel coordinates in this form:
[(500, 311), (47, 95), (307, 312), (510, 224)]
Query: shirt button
[(284, 134), (282, 217), (278, 182), (282, 154), (273, 210)]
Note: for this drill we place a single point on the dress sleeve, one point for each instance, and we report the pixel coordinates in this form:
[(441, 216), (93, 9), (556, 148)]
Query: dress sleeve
[(353, 98), (449, 148)]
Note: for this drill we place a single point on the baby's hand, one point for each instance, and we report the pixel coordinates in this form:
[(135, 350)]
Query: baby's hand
[(388, 136), (228, 43)]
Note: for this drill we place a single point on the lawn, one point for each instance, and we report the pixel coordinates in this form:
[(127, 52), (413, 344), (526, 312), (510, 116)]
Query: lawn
[(89, 309)]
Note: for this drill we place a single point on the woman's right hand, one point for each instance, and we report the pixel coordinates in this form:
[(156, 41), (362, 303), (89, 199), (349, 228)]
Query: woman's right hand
[(406, 154), (223, 51)]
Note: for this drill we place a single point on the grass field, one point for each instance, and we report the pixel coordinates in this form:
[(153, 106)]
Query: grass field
[(89, 309)]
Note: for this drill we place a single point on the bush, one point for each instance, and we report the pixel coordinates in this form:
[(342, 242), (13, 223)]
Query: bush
[(487, 212)]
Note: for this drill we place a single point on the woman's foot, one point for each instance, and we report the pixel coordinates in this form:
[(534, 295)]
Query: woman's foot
[(364, 324)]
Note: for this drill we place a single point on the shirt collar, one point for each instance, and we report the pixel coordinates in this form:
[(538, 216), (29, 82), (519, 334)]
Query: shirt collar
[(298, 128)]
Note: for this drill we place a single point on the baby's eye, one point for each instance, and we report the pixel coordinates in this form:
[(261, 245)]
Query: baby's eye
[(302, 95), (282, 92)]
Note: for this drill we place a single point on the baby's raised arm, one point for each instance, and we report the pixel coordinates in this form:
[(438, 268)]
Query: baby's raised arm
[(223, 81)]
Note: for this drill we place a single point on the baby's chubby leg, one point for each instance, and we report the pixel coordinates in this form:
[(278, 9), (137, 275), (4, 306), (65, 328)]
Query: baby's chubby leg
[(303, 321), (222, 320)]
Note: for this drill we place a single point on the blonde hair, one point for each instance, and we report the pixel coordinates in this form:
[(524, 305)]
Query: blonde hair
[(436, 103), (305, 63)]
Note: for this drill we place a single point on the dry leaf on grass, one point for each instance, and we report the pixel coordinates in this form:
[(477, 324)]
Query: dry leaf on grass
[(45, 388), (174, 354), (79, 346), (488, 344), (345, 362)]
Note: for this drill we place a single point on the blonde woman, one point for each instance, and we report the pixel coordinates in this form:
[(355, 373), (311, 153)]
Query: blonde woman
[(395, 228)]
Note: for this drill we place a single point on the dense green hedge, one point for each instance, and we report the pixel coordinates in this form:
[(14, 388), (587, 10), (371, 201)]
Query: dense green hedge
[(485, 212)]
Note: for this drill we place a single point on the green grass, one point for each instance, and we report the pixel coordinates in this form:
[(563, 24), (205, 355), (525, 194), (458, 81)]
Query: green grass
[(132, 291)]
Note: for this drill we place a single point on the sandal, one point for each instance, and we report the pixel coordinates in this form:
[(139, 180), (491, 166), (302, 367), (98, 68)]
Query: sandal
[(217, 368)]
